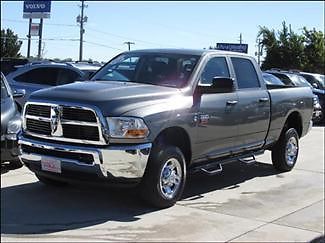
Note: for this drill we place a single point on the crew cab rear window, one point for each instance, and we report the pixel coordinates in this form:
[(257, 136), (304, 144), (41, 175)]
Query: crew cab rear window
[(245, 73)]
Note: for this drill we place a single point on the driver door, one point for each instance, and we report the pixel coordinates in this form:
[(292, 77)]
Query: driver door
[(217, 113)]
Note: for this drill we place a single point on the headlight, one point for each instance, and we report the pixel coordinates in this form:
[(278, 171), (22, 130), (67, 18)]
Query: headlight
[(127, 127), (14, 126)]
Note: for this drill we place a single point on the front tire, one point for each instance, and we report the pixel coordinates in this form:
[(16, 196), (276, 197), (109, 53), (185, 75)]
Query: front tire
[(285, 152), (164, 179)]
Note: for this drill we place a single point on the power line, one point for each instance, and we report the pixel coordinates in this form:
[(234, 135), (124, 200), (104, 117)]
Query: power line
[(98, 44), (99, 31), (128, 37), (22, 21), (60, 39)]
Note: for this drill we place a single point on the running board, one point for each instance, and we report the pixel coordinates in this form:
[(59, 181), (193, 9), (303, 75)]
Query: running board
[(213, 171), (248, 161), (215, 167)]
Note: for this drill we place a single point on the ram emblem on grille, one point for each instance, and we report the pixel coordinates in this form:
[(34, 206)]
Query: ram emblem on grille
[(56, 127)]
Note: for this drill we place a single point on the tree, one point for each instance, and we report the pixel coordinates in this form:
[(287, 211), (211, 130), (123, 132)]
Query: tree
[(314, 50), (10, 45), (284, 49), (288, 50), (271, 46)]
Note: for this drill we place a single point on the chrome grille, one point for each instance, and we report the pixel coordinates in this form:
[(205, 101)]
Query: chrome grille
[(81, 157), (63, 123), (38, 110), (78, 114), (38, 126), (80, 132)]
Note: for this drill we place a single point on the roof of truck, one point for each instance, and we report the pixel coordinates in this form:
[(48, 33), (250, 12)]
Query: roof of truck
[(187, 51)]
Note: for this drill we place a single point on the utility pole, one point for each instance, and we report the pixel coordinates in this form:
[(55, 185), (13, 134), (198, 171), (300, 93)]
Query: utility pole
[(129, 43), (81, 19), (240, 38), (259, 51), (40, 39), (28, 36)]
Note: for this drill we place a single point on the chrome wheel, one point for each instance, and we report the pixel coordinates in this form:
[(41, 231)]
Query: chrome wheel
[(291, 150), (170, 178)]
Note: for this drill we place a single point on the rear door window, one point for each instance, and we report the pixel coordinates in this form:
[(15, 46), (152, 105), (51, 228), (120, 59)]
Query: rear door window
[(245, 73), (43, 75)]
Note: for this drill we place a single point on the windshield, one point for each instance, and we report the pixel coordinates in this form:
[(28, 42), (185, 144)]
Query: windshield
[(172, 70)]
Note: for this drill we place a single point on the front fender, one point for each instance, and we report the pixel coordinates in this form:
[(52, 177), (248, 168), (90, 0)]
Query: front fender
[(173, 112)]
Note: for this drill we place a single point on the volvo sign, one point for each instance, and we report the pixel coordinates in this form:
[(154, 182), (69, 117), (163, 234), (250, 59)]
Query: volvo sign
[(243, 48), (37, 9)]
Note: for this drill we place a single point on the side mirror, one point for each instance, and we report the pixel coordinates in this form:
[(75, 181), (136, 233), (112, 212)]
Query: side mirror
[(18, 93), (219, 85)]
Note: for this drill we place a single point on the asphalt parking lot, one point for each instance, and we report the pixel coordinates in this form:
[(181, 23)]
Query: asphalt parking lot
[(244, 203)]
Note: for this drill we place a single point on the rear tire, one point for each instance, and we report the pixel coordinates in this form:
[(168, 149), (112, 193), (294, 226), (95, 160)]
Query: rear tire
[(164, 179), (285, 152), (50, 182)]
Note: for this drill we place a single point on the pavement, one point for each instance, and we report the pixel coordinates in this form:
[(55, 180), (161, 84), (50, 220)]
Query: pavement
[(246, 203)]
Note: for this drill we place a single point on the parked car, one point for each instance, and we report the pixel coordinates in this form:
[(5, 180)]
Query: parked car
[(8, 65), (296, 79), (318, 83), (150, 117), (10, 124), (316, 80), (40, 75)]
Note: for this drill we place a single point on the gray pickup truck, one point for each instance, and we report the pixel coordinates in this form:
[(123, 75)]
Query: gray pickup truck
[(150, 117)]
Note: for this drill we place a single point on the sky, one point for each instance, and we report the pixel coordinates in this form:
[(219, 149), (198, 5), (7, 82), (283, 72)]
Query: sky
[(169, 24)]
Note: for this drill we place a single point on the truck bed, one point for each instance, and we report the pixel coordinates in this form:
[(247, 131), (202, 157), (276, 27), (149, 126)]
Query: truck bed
[(283, 101)]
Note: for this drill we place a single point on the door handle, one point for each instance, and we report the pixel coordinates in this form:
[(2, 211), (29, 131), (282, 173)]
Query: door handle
[(263, 100), (232, 102)]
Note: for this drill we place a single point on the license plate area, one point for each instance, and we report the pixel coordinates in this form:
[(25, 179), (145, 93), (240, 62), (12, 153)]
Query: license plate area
[(51, 164)]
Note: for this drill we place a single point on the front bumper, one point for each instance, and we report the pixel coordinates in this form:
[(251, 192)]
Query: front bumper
[(109, 162), (9, 148)]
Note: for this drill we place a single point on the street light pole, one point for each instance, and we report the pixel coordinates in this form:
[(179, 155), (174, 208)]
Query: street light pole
[(40, 39), (28, 36)]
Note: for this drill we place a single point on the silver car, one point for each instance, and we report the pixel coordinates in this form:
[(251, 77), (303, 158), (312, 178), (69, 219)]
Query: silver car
[(34, 76)]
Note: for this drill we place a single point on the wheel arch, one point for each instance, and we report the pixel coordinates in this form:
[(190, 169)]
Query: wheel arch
[(294, 120), (176, 136)]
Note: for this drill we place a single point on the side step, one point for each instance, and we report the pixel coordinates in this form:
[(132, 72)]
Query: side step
[(248, 161), (215, 167), (214, 171)]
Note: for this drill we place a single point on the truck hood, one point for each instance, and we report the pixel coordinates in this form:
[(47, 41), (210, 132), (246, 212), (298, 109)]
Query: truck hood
[(112, 98)]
